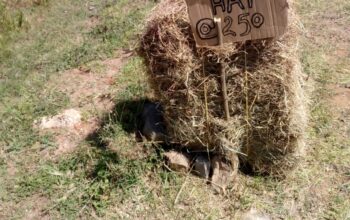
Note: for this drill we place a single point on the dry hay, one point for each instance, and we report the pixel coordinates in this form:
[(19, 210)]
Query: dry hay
[(264, 86)]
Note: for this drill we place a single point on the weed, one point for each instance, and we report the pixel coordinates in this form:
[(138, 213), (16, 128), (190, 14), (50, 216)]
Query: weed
[(10, 22)]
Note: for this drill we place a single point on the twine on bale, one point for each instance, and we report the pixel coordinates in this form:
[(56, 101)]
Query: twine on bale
[(247, 107), (264, 85)]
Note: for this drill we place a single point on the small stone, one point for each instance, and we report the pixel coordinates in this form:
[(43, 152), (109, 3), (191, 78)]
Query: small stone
[(68, 118), (223, 172), (91, 7), (255, 215), (152, 124), (202, 166), (177, 161)]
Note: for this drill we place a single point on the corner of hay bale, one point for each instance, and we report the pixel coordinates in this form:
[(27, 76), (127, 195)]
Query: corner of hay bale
[(264, 83)]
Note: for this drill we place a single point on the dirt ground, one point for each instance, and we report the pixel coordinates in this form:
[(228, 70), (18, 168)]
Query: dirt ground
[(97, 170)]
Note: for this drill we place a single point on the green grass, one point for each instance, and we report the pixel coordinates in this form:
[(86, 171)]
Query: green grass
[(112, 176), (328, 156), (129, 102), (57, 36), (50, 46), (93, 177)]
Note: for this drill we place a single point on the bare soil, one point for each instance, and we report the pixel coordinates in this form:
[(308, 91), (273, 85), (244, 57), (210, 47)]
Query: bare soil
[(90, 93)]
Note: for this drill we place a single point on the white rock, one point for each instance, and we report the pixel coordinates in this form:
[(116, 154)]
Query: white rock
[(68, 118), (177, 161), (255, 215)]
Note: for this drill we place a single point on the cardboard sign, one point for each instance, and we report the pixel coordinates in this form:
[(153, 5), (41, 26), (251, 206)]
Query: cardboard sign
[(241, 20)]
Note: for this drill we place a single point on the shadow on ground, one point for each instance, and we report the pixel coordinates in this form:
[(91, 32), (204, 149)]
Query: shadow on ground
[(126, 113), (112, 169)]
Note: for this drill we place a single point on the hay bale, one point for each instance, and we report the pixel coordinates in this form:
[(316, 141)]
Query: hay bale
[(264, 86)]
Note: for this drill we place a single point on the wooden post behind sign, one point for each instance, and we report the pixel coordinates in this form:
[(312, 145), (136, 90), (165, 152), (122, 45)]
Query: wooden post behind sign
[(222, 70)]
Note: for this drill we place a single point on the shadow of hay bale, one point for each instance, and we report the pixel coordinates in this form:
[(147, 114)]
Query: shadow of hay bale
[(126, 114)]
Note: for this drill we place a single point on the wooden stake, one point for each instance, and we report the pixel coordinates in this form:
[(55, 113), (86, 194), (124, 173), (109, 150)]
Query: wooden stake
[(222, 71)]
